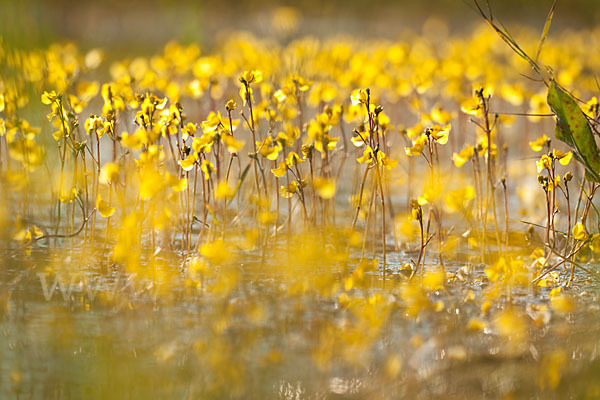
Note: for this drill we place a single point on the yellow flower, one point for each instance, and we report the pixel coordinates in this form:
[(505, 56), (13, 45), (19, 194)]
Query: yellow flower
[(511, 325), (134, 141), (189, 162), (359, 96), (67, 196), (562, 303), (384, 160), (288, 191), (579, 231), (418, 146), (434, 280), (280, 96), (416, 210), (93, 123), (49, 97), (357, 141), (207, 167), (224, 191), (251, 77), (233, 146), (539, 143), (367, 156), (563, 158), (211, 123), (246, 93), (440, 134), (189, 130), (281, 170), (103, 208), (109, 173), (440, 116), (218, 252), (545, 162), (459, 199), (465, 155), (552, 368), (293, 159), (471, 106), (324, 187), (230, 106), (268, 149), (202, 144), (178, 185)]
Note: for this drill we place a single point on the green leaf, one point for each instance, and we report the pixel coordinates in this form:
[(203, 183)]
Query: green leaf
[(572, 127), (545, 31)]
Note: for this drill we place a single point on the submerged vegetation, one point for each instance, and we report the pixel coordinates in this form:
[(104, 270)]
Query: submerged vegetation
[(316, 217)]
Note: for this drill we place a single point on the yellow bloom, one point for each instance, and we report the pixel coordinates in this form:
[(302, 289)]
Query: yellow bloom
[(134, 141), (434, 280), (471, 106), (293, 159), (357, 141), (563, 158), (281, 170), (189, 162), (539, 143), (579, 231), (189, 130), (359, 96), (440, 134), (224, 191), (552, 368), (280, 96), (233, 146), (367, 156), (246, 93), (459, 199), (465, 155), (178, 185), (109, 173), (562, 303), (67, 196), (512, 325), (49, 97), (384, 160), (211, 123), (268, 149), (207, 167), (230, 106), (202, 144), (544, 162), (440, 116), (418, 146), (288, 191), (103, 208), (324, 187), (252, 76)]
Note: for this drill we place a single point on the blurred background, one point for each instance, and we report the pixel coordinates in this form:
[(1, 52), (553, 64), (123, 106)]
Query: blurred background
[(149, 24)]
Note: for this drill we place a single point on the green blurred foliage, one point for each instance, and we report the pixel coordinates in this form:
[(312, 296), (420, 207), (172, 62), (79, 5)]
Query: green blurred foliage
[(147, 24)]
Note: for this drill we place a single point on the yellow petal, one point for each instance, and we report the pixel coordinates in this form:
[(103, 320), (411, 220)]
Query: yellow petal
[(188, 163), (579, 231), (103, 208), (281, 170), (324, 187)]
